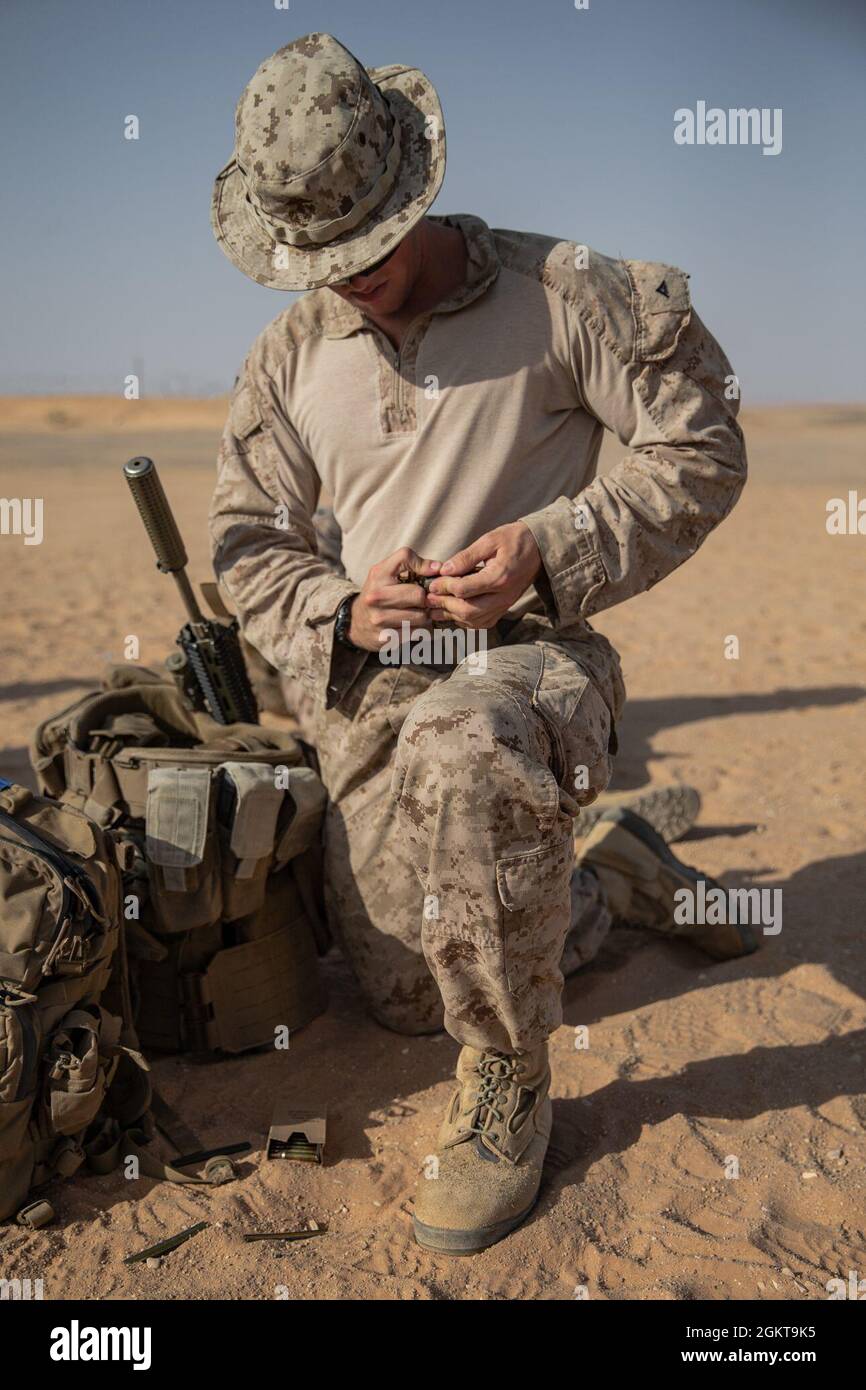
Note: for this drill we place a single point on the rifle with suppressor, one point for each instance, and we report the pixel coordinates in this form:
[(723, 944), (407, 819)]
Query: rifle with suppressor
[(218, 680)]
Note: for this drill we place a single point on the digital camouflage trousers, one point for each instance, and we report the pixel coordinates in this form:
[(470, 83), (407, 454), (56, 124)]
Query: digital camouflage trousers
[(449, 843)]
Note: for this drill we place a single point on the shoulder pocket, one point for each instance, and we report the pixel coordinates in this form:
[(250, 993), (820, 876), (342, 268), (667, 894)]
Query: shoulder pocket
[(245, 413), (661, 306)]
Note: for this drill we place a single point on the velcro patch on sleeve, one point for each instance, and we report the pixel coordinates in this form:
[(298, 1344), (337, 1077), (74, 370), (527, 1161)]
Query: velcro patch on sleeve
[(661, 307)]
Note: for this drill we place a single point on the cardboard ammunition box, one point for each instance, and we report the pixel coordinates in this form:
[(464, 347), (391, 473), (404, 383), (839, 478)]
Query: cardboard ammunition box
[(297, 1132)]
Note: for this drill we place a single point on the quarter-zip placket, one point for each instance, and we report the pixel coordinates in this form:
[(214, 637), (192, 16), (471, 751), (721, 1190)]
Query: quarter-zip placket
[(397, 413), (404, 413), (397, 366)]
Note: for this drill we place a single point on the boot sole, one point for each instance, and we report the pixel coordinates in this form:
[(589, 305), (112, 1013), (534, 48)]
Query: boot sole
[(669, 810), (697, 936), (450, 1242)]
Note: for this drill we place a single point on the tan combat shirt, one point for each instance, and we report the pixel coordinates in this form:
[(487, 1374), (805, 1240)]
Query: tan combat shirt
[(492, 411)]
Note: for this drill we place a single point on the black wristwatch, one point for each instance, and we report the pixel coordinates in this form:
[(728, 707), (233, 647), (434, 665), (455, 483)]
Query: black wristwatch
[(344, 622)]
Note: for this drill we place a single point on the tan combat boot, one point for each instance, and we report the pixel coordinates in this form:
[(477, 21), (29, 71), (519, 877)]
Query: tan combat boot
[(640, 877), (484, 1178), (669, 810)]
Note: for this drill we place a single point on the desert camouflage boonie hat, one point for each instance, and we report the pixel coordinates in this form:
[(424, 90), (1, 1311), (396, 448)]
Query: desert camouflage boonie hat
[(333, 164)]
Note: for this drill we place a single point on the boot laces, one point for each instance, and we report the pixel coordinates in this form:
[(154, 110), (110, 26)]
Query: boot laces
[(496, 1072)]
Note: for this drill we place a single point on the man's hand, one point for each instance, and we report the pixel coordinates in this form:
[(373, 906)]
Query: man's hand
[(385, 602), (478, 598)]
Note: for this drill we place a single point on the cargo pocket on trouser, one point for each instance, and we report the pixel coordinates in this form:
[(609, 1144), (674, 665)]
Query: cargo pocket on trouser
[(579, 722), (535, 891), (499, 975), (182, 848), (249, 804)]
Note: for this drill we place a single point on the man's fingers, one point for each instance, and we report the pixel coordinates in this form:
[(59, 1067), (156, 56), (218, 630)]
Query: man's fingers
[(467, 614), (391, 620), (408, 559), (475, 554), (396, 596), (426, 568), (483, 581)]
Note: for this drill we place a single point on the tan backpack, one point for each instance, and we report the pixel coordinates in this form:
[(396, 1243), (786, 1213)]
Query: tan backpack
[(69, 1062), (221, 826)]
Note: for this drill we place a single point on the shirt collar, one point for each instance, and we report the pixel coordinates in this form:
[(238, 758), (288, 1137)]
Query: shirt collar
[(341, 319)]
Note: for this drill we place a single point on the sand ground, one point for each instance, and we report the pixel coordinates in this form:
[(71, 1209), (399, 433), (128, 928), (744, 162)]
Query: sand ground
[(689, 1063)]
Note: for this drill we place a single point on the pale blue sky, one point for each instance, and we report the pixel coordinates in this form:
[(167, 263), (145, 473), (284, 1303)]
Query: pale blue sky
[(559, 121)]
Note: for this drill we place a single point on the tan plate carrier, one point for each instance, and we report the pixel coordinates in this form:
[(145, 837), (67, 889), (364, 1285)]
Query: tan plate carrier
[(219, 828)]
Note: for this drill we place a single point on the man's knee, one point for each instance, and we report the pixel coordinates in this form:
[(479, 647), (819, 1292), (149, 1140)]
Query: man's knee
[(472, 770), (412, 1016), (457, 724)]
